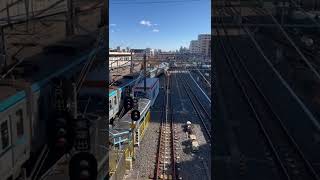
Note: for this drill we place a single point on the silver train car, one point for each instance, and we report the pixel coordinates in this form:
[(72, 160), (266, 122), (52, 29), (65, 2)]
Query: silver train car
[(15, 137), (26, 103), (117, 93), (114, 102)]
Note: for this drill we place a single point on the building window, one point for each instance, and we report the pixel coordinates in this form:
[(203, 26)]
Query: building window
[(110, 104), (19, 115), (115, 100), (4, 135)]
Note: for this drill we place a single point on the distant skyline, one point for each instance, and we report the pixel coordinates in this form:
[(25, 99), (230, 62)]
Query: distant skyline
[(157, 23)]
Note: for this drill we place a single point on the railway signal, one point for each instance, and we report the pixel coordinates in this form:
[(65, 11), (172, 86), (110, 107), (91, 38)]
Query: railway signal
[(127, 92), (62, 134), (128, 103), (82, 135), (83, 166), (135, 103), (135, 115)]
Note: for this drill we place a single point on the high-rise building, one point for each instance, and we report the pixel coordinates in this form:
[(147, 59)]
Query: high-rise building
[(183, 50), (204, 37), (194, 47), (149, 52), (202, 45), (205, 44)]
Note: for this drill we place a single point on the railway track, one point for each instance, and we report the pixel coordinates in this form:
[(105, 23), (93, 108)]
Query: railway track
[(166, 155), (291, 161), (200, 109)]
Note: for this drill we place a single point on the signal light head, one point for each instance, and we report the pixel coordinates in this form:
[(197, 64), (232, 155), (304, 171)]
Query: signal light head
[(84, 175), (128, 103), (61, 132), (83, 166), (135, 115), (61, 142), (84, 163)]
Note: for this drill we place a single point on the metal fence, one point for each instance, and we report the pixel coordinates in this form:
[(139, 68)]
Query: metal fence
[(119, 160), (119, 169)]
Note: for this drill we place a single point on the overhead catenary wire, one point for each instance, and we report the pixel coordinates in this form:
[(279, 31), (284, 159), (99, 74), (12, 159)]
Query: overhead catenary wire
[(298, 100), (304, 11), (308, 63), (313, 172)]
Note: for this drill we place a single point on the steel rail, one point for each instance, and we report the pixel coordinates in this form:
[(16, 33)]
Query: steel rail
[(173, 152), (267, 102), (284, 83), (205, 95), (253, 109), (163, 127), (157, 169), (267, 12), (197, 99), (196, 109)]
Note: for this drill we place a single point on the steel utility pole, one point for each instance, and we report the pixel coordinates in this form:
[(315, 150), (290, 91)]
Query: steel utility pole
[(70, 18), (3, 60), (131, 65)]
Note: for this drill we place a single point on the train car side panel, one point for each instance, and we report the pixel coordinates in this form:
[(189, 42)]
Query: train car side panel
[(14, 139)]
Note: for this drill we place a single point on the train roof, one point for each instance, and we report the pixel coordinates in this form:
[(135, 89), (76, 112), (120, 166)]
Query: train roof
[(131, 76), (6, 91), (123, 82), (150, 82), (39, 69)]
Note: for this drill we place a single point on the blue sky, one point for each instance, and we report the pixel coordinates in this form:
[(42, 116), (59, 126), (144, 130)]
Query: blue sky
[(161, 25)]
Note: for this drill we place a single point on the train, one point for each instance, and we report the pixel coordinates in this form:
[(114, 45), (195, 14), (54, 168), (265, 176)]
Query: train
[(157, 71), (26, 109), (152, 89), (117, 92)]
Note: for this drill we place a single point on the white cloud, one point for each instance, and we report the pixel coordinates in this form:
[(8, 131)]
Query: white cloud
[(155, 30), (112, 24), (145, 23)]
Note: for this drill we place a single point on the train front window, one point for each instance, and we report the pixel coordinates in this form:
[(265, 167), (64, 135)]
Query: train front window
[(4, 135), (19, 115)]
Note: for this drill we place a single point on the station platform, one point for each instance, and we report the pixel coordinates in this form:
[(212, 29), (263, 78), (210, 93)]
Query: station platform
[(122, 127), (123, 143)]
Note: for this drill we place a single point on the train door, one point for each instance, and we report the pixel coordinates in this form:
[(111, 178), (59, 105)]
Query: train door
[(110, 107), (20, 133), (5, 134), (5, 144)]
